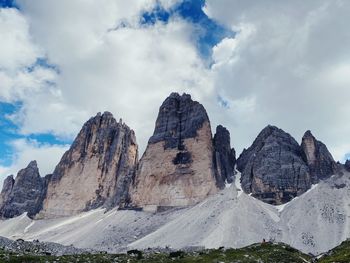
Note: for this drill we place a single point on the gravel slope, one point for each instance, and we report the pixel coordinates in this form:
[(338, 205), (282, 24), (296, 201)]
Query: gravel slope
[(313, 223)]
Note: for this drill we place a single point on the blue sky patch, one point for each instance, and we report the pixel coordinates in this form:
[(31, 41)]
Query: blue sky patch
[(209, 32), (10, 132), (8, 3), (43, 62)]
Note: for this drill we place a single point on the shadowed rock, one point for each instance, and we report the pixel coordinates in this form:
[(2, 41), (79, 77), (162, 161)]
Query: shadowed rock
[(347, 165), (96, 170), (317, 157), (224, 156), (6, 191), (273, 169), (179, 118), (24, 194)]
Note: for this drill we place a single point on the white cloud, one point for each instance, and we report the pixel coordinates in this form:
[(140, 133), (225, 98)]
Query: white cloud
[(126, 70), (292, 60), (17, 49), (18, 54), (47, 156)]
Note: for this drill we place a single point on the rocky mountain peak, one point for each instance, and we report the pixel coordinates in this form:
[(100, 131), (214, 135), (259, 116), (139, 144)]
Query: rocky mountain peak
[(224, 156), (95, 171), (269, 135), (22, 194), (177, 166), (318, 158), (273, 169), (179, 118), (33, 165)]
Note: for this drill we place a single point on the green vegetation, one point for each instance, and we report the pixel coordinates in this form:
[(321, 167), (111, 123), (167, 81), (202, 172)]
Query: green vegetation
[(340, 254), (266, 252)]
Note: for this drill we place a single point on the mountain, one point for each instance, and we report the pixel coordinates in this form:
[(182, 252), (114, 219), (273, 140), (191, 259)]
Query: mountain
[(185, 190), (96, 170), (272, 168), (318, 158), (275, 168), (22, 194), (177, 167), (224, 157)]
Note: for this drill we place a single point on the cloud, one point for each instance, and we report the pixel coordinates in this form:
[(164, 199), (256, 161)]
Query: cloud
[(25, 150), (290, 61), (108, 60), (19, 76)]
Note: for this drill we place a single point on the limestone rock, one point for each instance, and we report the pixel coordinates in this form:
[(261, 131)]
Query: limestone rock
[(273, 169), (24, 193), (96, 170), (177, 166), (318, 158), (224, 156)]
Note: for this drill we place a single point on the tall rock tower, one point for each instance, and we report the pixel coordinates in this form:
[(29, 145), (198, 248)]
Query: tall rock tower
[(95, 171), (177, 167), (317, 157)]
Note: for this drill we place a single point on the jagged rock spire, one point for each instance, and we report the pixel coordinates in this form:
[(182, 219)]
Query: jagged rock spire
[(95, 171), (224, 156), (22, 194), (317, 157)]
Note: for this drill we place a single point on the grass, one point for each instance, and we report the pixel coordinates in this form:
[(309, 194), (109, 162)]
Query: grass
[(267, 252), (340, 254)]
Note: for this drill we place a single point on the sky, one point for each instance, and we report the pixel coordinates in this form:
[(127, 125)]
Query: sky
[(250, 63)]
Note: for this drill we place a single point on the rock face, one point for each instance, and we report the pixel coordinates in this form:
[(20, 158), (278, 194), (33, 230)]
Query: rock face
[(347, 165), (273, 169), (224, 156), (95, 171), (177, 166), (318, 158), (22, 194), (6, 191)]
